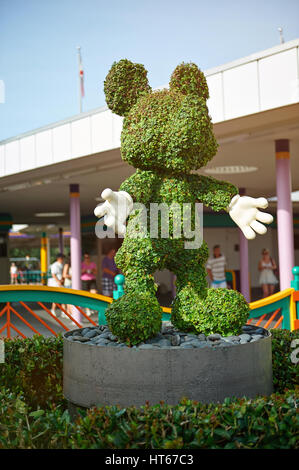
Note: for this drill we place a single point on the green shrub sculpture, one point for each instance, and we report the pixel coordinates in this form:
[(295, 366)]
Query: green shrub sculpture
[(166, 135), (134, 322)]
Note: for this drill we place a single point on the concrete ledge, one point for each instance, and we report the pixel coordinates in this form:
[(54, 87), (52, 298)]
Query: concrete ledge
[(123, 376)]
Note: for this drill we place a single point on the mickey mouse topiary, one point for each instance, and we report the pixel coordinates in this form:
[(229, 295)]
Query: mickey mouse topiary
[(166, 135)]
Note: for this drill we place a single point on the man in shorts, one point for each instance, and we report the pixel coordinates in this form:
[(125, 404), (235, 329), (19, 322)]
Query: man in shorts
[(216, 268), (109, 271)]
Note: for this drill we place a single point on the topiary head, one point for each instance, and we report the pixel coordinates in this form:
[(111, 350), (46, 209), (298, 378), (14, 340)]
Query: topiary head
[(165, 130)]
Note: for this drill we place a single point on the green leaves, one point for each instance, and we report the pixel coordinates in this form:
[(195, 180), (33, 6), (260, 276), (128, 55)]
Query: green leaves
[(167, 131), (135, 317), (260, 423), (285, 372), (221, 311), (37, 414), (188, 79), (124, 84), (33, 367)]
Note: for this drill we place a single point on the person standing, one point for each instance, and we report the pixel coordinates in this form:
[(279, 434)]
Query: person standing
[(56, 280), (67, 274), (216, 268), (13, 273), (109, 271), (88, 274), (88, 277), (267, 266)]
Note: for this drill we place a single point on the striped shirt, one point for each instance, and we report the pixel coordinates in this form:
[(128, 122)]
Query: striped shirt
[(217, 266)]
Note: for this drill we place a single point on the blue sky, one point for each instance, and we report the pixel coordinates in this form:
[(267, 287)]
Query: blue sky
[(38, 39)]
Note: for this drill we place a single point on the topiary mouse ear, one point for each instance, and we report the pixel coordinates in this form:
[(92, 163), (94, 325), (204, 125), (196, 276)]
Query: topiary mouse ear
[(189, 80), (124, 84)]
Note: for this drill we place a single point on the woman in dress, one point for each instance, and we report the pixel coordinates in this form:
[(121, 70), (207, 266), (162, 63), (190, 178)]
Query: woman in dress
[(268, 280)]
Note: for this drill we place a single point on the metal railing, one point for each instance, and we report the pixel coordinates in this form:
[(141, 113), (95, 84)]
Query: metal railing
[(276, 311), (18, 302)]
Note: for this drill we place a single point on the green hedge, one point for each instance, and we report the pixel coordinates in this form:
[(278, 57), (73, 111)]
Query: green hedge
[(285, 372), (33, 368), (33, 413), (267, 423)]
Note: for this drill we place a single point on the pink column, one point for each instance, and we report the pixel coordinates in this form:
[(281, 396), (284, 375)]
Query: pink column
[(244, 261), (285, 230), (60, 240), (75, 242)]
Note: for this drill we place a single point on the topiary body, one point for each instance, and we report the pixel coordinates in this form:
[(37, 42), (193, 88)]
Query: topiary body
[(166, 135)]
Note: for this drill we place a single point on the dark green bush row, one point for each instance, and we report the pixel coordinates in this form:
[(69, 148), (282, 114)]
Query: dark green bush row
[(33, 412), (270, 422), (33, 368)]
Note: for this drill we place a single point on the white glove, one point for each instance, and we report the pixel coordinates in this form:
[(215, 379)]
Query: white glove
[(115, 210), (244, 212)]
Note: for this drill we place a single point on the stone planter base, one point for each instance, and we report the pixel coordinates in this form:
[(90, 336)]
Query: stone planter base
[(131, 376)]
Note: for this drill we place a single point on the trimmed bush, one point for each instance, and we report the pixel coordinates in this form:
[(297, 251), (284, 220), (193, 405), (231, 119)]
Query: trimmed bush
[(134, 317), (285, 372), (263, 423), (188, 79), (33, 368), (124, 84), (24, 428), (223, 311)]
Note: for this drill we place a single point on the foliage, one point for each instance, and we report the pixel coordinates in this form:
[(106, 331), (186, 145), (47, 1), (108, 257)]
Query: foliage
[(166, 134), (223, 311), (285, 372), (33, 421), (33, 367), (188, 79), (133, 322), (22, 428), (263, 423), (124, 84)]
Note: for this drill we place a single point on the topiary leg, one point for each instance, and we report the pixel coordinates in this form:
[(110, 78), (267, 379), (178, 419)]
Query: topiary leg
[(191, 283), (138, 259), (197, 308), (188, 304), (224, 311), (137, 315)]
